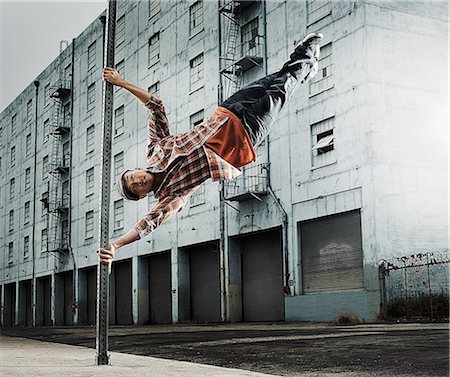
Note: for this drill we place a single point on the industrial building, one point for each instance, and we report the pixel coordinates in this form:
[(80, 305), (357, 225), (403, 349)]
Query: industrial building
[(354, 171)]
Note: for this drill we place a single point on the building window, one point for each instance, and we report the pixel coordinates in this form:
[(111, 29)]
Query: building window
[(120, 31), (45, 167), (249, 38), (67, 116), (154, 89), (90, 181), (198, 196), (196, 118), (44, 240), (118, 214), (68, 74), (196, 18), (13, 124), (29, 110), (65, 194), (154, 8), (317, 9), (91, 57), (46, 130), (45, 203), (118, 165), (46, 94), (28, 145), (89, 225), (120, 68), (26, 247), (153, 50), (11, 220), (26, 213), (13, 156), (91, 97), (331, 253), (27, 179), (119, 121), (322, 140), (324, 78), (10, 253), (196, 72), (66, 153), (65, 233), (12, 188), (90, 138)]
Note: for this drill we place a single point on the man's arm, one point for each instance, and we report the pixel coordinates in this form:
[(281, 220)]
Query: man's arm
[(161, 212), (112, 76)]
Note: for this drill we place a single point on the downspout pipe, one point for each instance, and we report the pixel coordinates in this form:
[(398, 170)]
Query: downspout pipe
[(33, 233), (284, 215)]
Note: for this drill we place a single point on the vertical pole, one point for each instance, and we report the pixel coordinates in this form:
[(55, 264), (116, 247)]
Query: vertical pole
[(105, 184)]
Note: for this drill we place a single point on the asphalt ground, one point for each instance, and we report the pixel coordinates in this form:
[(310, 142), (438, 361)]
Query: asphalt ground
[(285, 349)]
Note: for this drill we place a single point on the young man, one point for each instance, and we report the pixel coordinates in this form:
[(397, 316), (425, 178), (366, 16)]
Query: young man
[(222, 143)]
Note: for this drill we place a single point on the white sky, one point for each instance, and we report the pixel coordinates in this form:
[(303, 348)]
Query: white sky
[(30, 33)]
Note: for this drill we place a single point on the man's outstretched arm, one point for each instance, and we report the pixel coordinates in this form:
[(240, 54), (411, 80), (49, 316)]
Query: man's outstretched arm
[(112, 76)]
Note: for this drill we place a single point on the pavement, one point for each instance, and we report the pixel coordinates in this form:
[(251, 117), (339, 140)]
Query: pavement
[(241, 349), (25, 357)]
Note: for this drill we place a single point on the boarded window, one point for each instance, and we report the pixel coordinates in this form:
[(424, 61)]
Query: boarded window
[(154, 8), (118, 214), (91, 97), (90, 138), (89, 225), (28, 145), (27, 179), (318, 9), (324, 79), (26, 215), (120, 31), (26, 247), (119, 121), (196, 72), (118, 165), (46, 130), (90, 181), (331, 253), (91, 56), (153, 50), (196, 118), (196, 18), (44, 240)]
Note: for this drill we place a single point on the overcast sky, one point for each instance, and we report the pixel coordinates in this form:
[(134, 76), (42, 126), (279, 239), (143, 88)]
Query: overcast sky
[(30, 33)]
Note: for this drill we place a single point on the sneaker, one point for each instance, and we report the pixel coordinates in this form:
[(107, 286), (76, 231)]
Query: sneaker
[(303, 61)]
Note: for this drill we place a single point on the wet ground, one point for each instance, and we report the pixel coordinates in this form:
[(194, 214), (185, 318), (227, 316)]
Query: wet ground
[(288, 349)]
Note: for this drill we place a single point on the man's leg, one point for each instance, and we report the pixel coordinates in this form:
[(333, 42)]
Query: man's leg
[(258, 104)]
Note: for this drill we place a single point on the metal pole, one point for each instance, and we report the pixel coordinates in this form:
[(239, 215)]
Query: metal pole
[(105, 184)]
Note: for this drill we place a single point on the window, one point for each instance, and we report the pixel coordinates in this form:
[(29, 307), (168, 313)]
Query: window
[(68, 73), (317, 9), (324, 78), (27, 179), (11, 220), (65, 194), (67, 116), (154, 8), (120, 31), (196, 118), (10, 252), (13, 155), (26, 247), (13, 124), (26, 213), (90, 181), (89, 225), (249, 38), (91, 57), (154, 89), (44, 240), (119, 121), (118, 165), (65, 234), (91, 97), (12, 188), (196, 75), (1, 135), (28, 145), (45, 167), (47, 94), (29, 110), (331, 253), (45, 203), (118, 214), (46, 130), (322, 140), (198, 196), (66, 153), (120, 67), (196, 18), (153, 50), (90, 138)]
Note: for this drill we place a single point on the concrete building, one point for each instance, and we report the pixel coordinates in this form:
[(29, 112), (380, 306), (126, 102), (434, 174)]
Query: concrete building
[(354, 171)]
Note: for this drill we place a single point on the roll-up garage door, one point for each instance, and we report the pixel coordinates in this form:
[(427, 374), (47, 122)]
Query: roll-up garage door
[(331, 252), (160, 288)]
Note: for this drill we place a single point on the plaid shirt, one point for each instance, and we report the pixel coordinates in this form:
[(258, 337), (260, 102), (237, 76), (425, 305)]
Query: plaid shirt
[(185, 160)]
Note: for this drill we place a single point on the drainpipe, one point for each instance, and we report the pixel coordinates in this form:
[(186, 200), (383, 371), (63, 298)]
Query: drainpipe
[(277, 201), (69, 211), (33, 237)]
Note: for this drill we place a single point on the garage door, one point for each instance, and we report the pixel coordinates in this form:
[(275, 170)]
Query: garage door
[(160, 288), (262, 277)]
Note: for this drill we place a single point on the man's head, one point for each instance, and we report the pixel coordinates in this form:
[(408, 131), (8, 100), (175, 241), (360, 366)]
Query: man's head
[(135, 184)]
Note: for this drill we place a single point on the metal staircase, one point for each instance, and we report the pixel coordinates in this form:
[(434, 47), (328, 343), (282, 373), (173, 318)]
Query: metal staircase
[(58, 205)]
